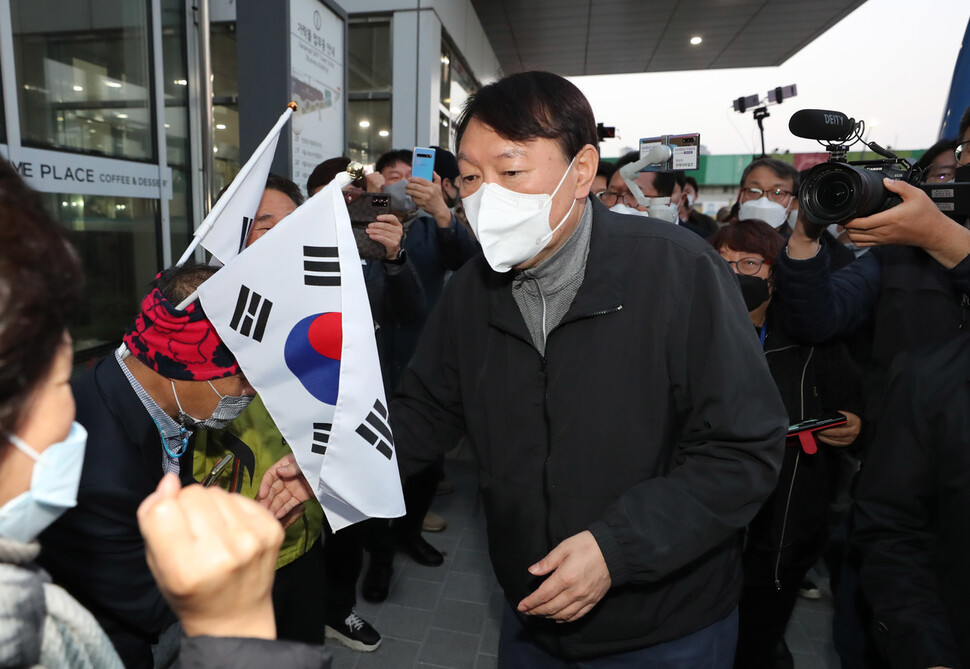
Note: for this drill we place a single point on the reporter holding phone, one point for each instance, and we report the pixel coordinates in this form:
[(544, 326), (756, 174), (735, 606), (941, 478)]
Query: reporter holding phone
[(787, 536)]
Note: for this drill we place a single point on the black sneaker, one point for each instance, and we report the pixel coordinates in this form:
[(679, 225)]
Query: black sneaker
[(355, 633), (809, 590)]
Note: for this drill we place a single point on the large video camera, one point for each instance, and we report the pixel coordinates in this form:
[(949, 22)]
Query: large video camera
[(839, 190)]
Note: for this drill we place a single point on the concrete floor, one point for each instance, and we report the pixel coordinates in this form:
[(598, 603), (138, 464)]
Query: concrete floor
[(448, 616)]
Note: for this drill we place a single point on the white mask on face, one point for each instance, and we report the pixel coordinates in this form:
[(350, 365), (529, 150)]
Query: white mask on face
[(662, 208), (53, 486), (512, 227), (622, 208), (690, 200), (792, 218), (764, 209)]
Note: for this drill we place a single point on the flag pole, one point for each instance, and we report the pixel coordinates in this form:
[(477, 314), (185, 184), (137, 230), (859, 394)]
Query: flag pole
[(354, 171), (234, 186)]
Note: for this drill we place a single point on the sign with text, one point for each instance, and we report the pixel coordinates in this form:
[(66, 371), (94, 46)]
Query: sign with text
[(59, 172), (316, 85)]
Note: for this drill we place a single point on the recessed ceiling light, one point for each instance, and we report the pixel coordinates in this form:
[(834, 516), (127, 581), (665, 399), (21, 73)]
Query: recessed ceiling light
[(122, 115), (696, 39), (220, 126), (384, 133), (364, 124), (79, 88), (112, 84)]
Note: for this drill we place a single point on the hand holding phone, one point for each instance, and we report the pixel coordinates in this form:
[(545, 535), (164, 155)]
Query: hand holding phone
[(804, 430), (422, 163)]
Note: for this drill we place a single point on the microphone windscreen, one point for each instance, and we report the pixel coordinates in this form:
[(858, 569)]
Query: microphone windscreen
[(821, 124)]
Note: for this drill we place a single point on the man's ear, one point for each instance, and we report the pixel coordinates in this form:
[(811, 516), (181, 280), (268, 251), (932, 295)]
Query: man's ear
[(587, 160)]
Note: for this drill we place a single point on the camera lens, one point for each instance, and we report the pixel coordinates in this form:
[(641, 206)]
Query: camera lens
[(834, 192), (838, 192)]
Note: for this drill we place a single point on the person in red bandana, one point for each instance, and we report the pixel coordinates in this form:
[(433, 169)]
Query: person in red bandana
[(140, 405)]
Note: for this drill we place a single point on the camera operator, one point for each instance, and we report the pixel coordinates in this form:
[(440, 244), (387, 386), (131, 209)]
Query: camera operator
[(912, 286)]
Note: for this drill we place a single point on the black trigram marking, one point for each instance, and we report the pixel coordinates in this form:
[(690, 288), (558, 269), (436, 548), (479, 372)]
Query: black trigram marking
[(251, 314), (321, 266), (321, 437), (376, 430), (244, 232)]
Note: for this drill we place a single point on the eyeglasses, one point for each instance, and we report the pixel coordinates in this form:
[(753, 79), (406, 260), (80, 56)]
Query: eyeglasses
[(748, 266), (943, 174), (610, 198), (776, 195), (962, 153)]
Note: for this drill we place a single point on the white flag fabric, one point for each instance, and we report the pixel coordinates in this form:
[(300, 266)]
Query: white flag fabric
[(225, 229), (293, 309)]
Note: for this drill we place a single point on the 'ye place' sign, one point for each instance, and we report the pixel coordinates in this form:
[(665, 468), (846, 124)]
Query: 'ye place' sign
[(58, 172)]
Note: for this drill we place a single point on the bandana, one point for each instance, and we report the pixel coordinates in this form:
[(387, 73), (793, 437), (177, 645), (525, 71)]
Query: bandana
[(178, 344)]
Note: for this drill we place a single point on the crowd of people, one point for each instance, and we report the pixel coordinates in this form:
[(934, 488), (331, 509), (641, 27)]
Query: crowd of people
[(674, 418)]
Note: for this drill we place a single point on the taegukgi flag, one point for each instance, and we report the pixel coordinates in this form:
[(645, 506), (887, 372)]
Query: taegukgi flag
[(225, 229), (293, 309)]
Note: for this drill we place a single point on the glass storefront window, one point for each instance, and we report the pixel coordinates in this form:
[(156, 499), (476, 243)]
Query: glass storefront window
[(369, 56), (456, 85), (368, 129), (116, 238), (83, 75), (225, 106)]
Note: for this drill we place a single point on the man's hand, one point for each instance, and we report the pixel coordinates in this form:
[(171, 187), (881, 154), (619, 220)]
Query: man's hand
[(213, 555), (429, 197), (842, 435), (803, 243), (373, 182), (579, 579), (387, 231), (914, 222), (284, 489)]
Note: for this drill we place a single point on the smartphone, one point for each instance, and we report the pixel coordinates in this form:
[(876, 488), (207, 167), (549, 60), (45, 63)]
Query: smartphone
[(217, 470), (422, 163), (815, 424), (805, 429), (364, 208)]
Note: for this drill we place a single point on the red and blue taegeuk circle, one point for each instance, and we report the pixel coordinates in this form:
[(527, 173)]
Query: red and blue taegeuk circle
[(312, 353)]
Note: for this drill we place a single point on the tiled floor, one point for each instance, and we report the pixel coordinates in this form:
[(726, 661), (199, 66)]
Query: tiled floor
[(448, 616)]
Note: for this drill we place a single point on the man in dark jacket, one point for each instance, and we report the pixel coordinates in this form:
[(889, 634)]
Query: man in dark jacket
[(623, 418), (912, 513)]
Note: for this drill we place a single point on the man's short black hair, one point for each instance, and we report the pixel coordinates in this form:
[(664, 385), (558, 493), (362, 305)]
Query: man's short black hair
[(779, 168), (606, 170), (663, 182), (532, 105), (286, 187), (179, 281), (964, 123), (325, 172), (391, 157), (692, 182), (445, 163), (932, 153)]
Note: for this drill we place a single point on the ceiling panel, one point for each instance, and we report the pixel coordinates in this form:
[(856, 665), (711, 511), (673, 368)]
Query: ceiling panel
[(580, 37)]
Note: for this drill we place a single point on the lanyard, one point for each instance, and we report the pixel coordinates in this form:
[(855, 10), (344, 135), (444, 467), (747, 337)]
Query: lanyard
[(182, 434)]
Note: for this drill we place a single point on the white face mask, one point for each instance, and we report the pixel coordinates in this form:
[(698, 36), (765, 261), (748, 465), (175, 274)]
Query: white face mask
[(512, 227), (228, 410), (657, 207), (792, 218), (765, 210), (622, 208), (690, 200), (53, 486)]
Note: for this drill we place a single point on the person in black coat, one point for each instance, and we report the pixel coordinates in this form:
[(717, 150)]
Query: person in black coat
[(912, 512), (789, 533)]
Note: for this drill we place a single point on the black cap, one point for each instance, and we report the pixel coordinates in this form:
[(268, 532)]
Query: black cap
[(445, 163)]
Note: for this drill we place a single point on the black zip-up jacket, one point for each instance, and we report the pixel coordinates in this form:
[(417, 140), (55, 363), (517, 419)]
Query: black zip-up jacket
[(792, 525), (912, 512), (651, 421)]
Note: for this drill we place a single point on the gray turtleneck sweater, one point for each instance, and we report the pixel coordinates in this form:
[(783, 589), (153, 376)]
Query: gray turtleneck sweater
[(544, 292)]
